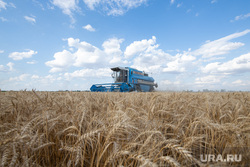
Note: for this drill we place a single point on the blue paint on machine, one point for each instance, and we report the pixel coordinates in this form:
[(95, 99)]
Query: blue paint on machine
[(127, 79)]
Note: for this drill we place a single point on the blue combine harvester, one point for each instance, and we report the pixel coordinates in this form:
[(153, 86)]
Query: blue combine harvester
[(127, 79)]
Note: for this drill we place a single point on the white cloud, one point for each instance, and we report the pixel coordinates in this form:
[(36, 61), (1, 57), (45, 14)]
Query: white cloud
[(210, 79), (22, 77), (12, 5), (22, 55), (181, 62), (89, 73), (112, 50), (1, 51), (91, 3), (179, 5), (83, 54), (221, 46), (240, 82), (39, 4), (172, 1), (153, 60), (3, 19), (166, 82), (171, 85), (214, 1), (10, 65), (2, 5), (87, 54), (89, 28), (35, 77), (241, 17), (239, 64), (32, 62), (73, 42), (7, 68), (114, 7), (146, 55), (67, 6), (30, 19), (62, 61), (139, 46)]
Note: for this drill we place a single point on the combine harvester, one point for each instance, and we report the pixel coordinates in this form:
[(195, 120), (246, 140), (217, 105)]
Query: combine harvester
[(127, 79)]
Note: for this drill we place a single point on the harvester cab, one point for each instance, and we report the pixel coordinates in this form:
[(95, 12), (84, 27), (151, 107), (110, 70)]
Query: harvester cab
[(126, 79), (119, 75)]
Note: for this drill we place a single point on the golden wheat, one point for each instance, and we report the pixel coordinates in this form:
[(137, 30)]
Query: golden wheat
[(122, 129)]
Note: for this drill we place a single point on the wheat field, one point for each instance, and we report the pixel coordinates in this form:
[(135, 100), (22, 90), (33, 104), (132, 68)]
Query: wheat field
[(122, 129)]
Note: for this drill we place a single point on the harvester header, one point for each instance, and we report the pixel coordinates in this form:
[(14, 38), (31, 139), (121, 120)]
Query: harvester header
[(127, 79)]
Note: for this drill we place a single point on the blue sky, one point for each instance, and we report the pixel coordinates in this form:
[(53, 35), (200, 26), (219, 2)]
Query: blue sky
[(72, 44)]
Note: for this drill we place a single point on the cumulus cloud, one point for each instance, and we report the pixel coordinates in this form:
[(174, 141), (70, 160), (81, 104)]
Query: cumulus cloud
[(30, 19), (241, 82), (83, 54), (85, 73), (22, 55), (35, 77), (221, 46), (7, 68), (139, 46), (114, 7), (239, 64), (89, 28), (148, 56), (87, 55), (144, 55), (209, 79), (152, 60), (62, 61), (181, 62), (22, 77), (10, 65), (113, 51)]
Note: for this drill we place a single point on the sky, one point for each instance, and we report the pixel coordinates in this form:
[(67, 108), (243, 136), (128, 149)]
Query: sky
[(55, 45)]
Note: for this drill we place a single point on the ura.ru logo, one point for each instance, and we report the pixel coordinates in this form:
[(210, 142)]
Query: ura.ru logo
[(220, 158)]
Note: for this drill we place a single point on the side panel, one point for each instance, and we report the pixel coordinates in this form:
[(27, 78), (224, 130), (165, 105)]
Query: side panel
[(145, 88)]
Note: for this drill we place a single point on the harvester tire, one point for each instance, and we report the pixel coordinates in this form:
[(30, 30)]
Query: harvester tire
[(151, 89), (138, 88)]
